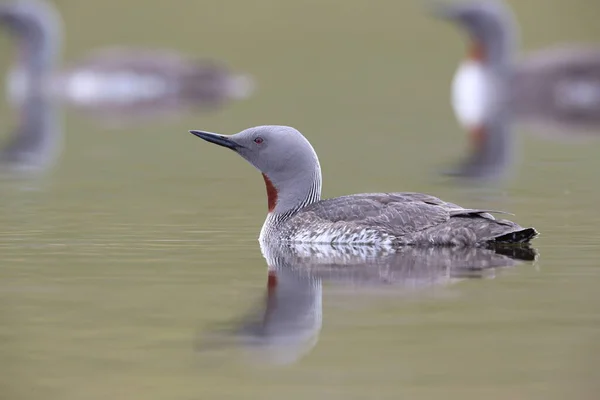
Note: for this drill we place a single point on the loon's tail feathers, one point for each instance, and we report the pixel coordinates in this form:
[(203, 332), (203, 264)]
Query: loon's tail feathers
[(522, 236)]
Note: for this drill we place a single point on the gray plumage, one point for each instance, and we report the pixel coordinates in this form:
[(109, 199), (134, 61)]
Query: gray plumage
[(557, 90), (490, 24), (37, 140), (395, 218), (297, 213)]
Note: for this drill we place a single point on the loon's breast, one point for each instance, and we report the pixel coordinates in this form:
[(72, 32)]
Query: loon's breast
[(471, 91)]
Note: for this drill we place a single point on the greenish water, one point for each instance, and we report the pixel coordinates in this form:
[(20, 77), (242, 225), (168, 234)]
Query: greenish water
[(140, 241)]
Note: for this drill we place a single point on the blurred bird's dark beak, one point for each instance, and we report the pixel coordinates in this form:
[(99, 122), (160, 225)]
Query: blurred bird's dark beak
[(221, 140)]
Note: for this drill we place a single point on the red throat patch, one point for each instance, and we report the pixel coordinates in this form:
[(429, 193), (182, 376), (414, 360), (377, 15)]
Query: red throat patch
[(478, 136), (272, 281), (477, 52), (271, 193)]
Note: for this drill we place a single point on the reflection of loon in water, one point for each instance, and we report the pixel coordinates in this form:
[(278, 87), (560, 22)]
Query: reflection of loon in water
[(287, 325)]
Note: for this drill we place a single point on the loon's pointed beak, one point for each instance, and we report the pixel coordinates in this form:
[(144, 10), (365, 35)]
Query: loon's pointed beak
[(221, 140)]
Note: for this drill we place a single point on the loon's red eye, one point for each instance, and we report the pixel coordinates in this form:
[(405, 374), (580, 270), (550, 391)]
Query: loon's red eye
[(258, 140)]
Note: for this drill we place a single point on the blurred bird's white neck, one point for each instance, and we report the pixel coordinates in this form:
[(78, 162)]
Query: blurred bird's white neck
[(471, 92)]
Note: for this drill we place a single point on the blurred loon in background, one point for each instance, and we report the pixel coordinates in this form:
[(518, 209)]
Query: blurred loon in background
[(555, 90), (118, 85)]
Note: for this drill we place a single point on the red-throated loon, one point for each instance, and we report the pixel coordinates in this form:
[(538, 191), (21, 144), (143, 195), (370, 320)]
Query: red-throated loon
[(292, 174)]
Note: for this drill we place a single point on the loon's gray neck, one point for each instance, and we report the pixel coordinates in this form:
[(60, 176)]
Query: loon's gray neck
[(295, 188), (39, 50), (299, 193), (38, 46), (37, 28), (497, 35), (289, 198)]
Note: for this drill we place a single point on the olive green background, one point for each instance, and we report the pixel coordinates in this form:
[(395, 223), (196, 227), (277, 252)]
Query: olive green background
[(141, 239)]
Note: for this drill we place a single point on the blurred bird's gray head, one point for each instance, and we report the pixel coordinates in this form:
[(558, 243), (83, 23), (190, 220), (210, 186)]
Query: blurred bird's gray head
[(25, 16), (281, 153), (490, 23), (38, 24)]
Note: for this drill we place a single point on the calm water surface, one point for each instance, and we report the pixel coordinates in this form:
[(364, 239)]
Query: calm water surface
[(125, 271)]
